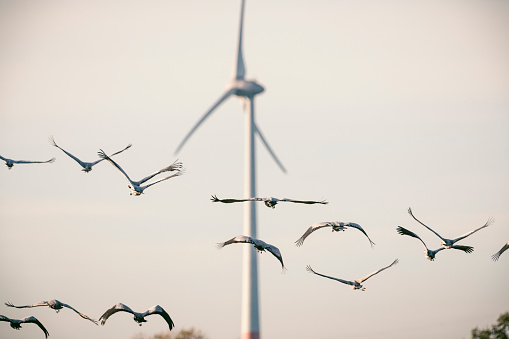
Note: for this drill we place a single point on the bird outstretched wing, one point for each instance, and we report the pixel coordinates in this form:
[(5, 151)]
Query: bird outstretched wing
[(275, 252), (176, 166), (80, 314), (502, 250), (404, 231), (168, 177), (376, 272), (159, 310), (311, 229), (52, 141), (37, 322), (33, 161), (438, 235), (489, 222), (41, 303), (309, 269), (466, 249), (117, 308), (4, 318), (357, 226), (98, 161), (237, 239), (104, 156), (305, 201), (229, 201)]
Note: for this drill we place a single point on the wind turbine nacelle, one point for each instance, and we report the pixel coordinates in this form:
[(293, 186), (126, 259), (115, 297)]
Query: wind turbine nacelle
[(244, 88)]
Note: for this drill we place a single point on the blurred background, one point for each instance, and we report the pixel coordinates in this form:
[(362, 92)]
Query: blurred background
[(373, 106)]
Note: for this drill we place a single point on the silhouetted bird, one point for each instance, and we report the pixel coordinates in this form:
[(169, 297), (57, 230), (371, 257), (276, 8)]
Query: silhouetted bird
[(430, 255), (87, 166), (9, 162), (53, 304), (269, 202), (16, 323), (356, 284), (336, 227), (447, 243), (138, 317), (135, 186), (258, 244)]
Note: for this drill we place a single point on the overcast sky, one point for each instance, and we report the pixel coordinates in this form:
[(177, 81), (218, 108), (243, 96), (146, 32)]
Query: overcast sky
[(375, 106)]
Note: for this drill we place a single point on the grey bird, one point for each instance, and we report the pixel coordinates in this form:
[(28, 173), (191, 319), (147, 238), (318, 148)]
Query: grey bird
[(430, 254), (16, 323), (135, 186), (55, 305), (9, 162), (269, 202), (259, 245), (336, 226), (87, 166), (448, 243), (355, 284), (138, 317)]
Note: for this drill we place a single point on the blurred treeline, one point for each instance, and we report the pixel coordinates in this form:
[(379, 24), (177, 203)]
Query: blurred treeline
[(190, 333), (498, 331)]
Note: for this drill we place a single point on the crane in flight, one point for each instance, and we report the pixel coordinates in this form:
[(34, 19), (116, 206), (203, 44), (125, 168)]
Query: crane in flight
[(87, 166), (53, 304), (135, 186), (448, 243), (269, 202), (430, 254), (336, 226), (16, 323), (259, 245), (355, 284), (10, 162), (138, 317)]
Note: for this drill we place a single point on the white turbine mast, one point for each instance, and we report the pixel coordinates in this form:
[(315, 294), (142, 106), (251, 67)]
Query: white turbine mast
[(247, 90)]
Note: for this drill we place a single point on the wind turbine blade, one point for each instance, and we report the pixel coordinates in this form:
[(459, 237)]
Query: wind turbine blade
[(205, 116), (241, 71), (257, 130)]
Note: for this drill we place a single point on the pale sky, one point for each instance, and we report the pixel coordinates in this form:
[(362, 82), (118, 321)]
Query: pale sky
[(375, 106)]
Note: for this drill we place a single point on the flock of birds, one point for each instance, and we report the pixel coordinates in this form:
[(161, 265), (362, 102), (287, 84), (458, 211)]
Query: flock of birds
[(137, 188), (337, 226), (57, 306)]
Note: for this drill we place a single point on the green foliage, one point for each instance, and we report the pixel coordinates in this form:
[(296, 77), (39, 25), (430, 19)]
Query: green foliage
[(498, 331), (190, 333)]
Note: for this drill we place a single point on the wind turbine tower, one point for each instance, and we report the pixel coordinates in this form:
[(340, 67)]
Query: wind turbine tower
[(246, 90)]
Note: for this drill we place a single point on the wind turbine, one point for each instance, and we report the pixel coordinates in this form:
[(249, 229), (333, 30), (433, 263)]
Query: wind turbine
[(246, 90)]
